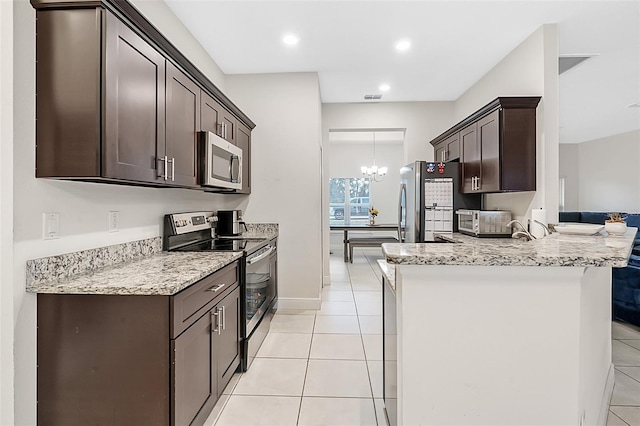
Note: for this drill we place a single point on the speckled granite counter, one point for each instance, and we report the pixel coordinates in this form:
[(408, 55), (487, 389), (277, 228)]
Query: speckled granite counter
[(161, 274), (388, 271), (554, 250), (133, 268)]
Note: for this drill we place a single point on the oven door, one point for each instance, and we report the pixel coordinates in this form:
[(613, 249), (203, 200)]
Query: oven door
[(260, 286), (222, 166)]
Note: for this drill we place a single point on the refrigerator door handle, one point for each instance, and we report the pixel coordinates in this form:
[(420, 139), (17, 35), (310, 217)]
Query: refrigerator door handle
[(403, 191)]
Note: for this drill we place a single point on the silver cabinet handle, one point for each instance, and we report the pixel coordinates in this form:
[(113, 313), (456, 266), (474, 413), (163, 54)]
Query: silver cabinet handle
[(478, 183), (165, 160), (224, 318), (215, 288), (173, 169), (215, 326)]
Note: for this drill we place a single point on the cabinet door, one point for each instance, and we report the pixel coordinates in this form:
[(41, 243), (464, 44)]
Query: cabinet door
[(209, 114), (229, 124), (489, 141), (452, 144), (134, 114), (194, 374), (243, 140), (440, 152), (227, 344), (183, 124), (470, 157)]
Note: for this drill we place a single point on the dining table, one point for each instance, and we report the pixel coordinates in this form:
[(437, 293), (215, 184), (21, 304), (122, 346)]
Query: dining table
[(346, 228)]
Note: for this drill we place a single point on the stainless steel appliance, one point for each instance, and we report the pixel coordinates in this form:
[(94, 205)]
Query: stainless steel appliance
[(429, 195), (484, 223), (230, 223), (221, 162), (258, 284)]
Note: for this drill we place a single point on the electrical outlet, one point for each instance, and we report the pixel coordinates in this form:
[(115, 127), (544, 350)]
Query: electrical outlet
[(50, 226), (114, 221)]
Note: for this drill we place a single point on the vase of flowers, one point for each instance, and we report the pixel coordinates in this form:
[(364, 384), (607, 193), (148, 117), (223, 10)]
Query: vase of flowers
[(615, 225), (373, 212)]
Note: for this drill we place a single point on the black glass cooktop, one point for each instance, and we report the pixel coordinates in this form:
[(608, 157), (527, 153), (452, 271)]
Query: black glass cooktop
[(225, 244)]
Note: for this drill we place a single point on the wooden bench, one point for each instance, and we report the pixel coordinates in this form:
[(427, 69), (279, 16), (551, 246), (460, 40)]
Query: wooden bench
[(368, 242)]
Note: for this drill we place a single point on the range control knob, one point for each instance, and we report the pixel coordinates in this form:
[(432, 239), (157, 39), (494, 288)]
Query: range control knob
[(180, 223)]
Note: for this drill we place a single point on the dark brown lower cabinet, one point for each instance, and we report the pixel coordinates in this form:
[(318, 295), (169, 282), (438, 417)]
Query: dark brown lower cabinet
[(206, 357), (138, 360)]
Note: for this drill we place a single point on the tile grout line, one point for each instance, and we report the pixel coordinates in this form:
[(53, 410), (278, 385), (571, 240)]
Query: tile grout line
[(306, 371), (366, 359)]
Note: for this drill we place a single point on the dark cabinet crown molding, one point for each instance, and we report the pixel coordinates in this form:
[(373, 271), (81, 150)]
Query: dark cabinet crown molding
[(511, 102), (124, 9)]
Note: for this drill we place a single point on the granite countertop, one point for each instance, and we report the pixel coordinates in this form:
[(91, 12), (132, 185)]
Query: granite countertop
[(161, 274), (389, 272), (132, 268), (554, 250)]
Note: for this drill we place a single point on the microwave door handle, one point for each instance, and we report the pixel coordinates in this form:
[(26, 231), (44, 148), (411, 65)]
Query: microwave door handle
[(234, 158)]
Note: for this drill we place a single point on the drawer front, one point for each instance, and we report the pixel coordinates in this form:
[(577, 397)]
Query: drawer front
[(188, 305)]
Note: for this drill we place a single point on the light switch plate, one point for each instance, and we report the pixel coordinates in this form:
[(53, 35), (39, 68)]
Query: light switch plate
[(50, 226), (114, 221)]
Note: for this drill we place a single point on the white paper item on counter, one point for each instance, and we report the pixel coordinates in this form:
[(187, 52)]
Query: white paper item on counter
[(541, 216)]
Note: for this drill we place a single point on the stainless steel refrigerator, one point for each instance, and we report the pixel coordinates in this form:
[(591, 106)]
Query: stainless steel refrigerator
[(429, 196)]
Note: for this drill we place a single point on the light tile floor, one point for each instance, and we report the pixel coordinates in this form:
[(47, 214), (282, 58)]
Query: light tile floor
[(325, 367)]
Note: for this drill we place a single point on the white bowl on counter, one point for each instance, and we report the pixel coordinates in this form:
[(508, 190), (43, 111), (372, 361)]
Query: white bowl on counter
[(578, 228), (615, 228)]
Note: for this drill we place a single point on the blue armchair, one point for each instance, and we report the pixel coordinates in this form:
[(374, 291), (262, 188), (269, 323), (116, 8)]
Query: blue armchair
[(626, 281)]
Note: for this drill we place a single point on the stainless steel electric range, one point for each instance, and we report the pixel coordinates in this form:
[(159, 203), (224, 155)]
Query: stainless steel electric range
[(258, 283)]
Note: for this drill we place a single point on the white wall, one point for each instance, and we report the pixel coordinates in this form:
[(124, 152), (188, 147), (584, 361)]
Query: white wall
[(608, 173), (6, 213), (286, 180), (83, 207), (163, 18), (422, 120), (346, 159), (568, 167), (531, 69)]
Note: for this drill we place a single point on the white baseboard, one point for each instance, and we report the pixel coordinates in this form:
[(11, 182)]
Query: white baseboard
[(298, 303), (606, 397)]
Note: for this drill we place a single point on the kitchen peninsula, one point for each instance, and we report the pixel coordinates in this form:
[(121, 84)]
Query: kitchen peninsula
[(501, 331)]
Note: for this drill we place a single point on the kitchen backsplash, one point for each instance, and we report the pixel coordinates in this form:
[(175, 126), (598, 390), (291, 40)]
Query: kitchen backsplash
[(66, 265)]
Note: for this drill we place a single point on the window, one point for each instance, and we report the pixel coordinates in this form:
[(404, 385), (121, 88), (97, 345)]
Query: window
[(349, 200)]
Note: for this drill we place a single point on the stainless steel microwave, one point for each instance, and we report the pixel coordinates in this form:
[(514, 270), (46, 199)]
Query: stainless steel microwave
[(221, 162), (484, 223)]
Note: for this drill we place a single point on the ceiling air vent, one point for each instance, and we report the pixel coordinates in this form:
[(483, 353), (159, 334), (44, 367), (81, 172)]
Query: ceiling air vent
[(372, 97), (565, 63)]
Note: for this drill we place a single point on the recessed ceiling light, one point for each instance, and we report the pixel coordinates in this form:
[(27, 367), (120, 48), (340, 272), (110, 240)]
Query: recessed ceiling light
[(403, 45), (290, 39), (384, 87)]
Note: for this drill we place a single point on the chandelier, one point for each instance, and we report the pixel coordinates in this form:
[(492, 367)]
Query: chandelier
[(374, 172)]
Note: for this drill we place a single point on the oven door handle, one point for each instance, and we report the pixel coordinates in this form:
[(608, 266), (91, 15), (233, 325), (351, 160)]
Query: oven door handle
[(258, 258)]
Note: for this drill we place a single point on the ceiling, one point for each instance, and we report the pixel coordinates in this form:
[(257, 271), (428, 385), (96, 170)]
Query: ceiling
[(350, 44)]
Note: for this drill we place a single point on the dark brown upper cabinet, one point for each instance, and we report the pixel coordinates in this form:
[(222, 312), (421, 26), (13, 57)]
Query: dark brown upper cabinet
[(210, 113), (215, 118), (448, 149), (183, 124), (229, 126), (243, 140), (497, 146), (117, 102), (134, 112)]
